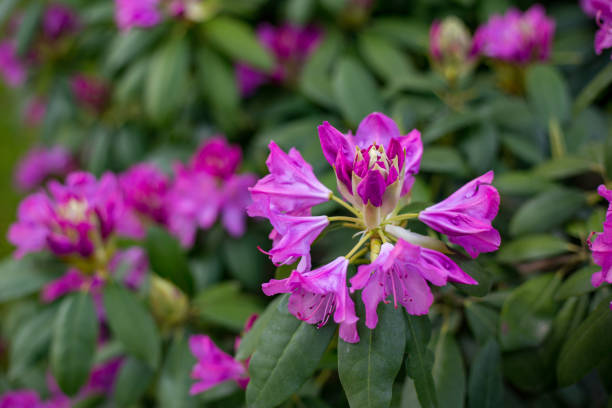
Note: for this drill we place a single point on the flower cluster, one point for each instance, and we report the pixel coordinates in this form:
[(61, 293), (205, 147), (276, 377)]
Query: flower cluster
[(149, 13), (601, 245), (450, 48), (290, 45), (516, 37), (215, 366), (602, 11), (41, 163), (375, 171)]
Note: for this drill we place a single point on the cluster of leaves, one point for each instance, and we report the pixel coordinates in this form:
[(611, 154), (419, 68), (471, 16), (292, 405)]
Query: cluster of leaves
[(533, 332)]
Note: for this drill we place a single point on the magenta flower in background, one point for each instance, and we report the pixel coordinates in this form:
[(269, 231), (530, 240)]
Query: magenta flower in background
[(74, 218), (206, 188), (59, 20), (601, 245), (602, 11), (136, 13), (91, 92), (145, 189), (516, 37), (35, 111), (12, 67), (40, 163), (375, 171), (316, 294), (20, 399), (214, 366), (291, 46)]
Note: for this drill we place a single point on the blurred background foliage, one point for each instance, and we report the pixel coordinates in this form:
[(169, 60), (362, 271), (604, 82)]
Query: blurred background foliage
[(534, 332)]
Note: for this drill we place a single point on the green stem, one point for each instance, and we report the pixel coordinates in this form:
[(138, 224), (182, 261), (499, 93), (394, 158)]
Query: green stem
[(362, 241), (345, 205), (557, 143), (347, 219), (401, 217)]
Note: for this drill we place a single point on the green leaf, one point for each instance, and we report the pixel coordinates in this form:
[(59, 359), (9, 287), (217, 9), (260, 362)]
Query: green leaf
[(521, 183), (367, 369), (594, 88), (387, 61), (167, 80), (6, 7), (485, 387), (586, 346), (28, 26), (250, 340), (99, 156), (21, 277), (167, 258), (482, 320), (127, 47), (449, 123), (546, 211), (31, 342), (132, 324), (75, 335), (288, 354), (448, 371), (481, 148), (409, 32), (564, 167), (531, 248), (441, 159), (132, 382), (476, 271), (528, 312), (315, 80), (420, 359), (224, 304), (175, 379), (244, 261), (355, 91), (578, 283), (130, 84), (548, 93), (238, 40)]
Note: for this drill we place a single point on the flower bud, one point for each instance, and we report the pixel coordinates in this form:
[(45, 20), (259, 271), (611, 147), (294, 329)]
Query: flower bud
[(168, 304), (450, 44)]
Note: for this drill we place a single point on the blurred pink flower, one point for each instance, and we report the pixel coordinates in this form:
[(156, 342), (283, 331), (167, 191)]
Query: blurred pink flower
[(59, 20), (40, 163), (20, 399), (136, 13), (601, 245), (35, 111), (89, 91), (12, 67)]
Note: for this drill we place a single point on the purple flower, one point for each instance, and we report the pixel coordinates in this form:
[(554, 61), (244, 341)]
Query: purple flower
[(291, 46), (73, 219), (12, 68), (136, 13), (59, 20), (133, 265), (601, 246), (602, 11), (35, 111), (316, 294), (516, 37), (290, 188), (20, 399), (144, 189), (72, 281), (207, 188), (466, 215), (41, 163), (402, 271), (90, 91)]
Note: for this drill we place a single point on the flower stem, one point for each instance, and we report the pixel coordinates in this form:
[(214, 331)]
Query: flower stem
[(362, 241), (345, 205), (359, 253), (374, 249), (382, 236), (401, 217), (347, 219)]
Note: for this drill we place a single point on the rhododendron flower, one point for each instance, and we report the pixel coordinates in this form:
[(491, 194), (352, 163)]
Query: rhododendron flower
[(516, 37), (145, 189), (75, 218), (136, 13), (215, 366), (20, 399), (375, 171), (290, 45), (602, 11), (12, 67), (41, 163), (316, 294), (59, 20), (91, 92), (450, 45), (206, 188), (601, 245)]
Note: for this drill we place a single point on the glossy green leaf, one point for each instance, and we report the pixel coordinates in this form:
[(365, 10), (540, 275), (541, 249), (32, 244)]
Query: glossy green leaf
[(521, 183), (355, 91), (527, 315), (546, 211), (482, 320), (563, 167), (481, 148), (21, 277), (244, 261), (28, 26), (409, 32), (288, 353), (586, 345), (131, 83), (132, 324), (593, 89), (420, 359), (368, 369), (250, 340), (167, 258), (578, 283), (127, 46), (167, 81), (175, 378), (224, 304), (440, 159), (449, 123), (387, 60), (132, 382), (448, 371), (75, 336), (476, 271), (315, 79), (548, 93), (532, 247), (485, 387), (238, 40)]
